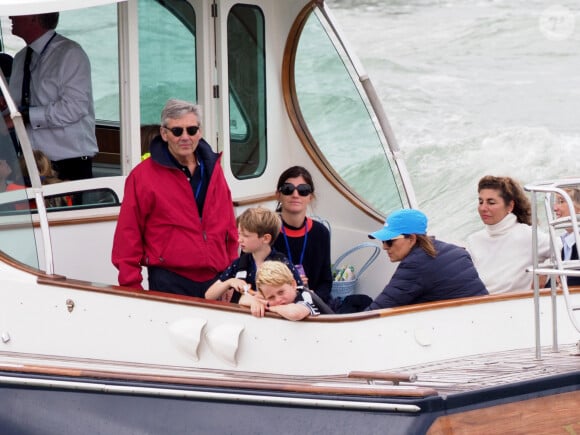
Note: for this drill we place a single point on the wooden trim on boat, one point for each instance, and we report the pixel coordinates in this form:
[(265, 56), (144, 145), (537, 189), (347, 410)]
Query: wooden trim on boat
[(20, 266), (254, 200), (169, 297), (57, 221), (63, 281), (395, 378), (555, 414), (81, 221), (521, 294), (60, 281), (336, 385), (299, 124)]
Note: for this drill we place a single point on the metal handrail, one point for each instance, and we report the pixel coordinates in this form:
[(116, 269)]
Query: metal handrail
[(556, 266)]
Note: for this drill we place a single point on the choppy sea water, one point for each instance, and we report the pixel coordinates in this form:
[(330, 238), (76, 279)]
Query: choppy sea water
[(471, 88)]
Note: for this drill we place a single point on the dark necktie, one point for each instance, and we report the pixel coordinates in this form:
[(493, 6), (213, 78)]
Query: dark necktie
[(26, 79)]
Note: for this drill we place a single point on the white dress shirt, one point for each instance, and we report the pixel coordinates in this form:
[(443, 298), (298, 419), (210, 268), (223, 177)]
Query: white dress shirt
[(62, 114)]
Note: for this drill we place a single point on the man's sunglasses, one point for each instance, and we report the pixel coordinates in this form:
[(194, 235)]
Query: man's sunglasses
[(178, 131), (288, 189)]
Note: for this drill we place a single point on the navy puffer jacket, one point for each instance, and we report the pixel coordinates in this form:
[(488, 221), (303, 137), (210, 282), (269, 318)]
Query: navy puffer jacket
[(422, 278)]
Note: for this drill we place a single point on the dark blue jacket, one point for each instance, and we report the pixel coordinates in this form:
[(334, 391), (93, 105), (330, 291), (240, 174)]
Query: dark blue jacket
[(572, 280), (422, 278)]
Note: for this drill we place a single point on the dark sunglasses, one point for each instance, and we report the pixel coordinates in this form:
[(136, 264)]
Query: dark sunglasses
[(178, 131), (389, 243), (288, 189)]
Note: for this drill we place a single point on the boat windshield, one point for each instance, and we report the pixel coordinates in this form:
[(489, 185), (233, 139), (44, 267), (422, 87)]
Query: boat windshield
[(16, 229), (329, 94)]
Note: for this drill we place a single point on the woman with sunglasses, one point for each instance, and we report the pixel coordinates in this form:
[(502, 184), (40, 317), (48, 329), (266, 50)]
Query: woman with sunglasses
[(306, 242), (429, 269)]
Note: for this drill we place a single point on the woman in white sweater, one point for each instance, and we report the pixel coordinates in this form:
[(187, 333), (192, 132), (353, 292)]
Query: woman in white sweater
[(502, 250)]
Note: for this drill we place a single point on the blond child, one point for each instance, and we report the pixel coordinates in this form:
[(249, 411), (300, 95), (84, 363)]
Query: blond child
[(257, 229), (279, 293)]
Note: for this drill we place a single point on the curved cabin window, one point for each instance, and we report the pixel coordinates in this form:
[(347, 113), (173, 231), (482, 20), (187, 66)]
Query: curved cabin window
[(341, 120), (247, 91)]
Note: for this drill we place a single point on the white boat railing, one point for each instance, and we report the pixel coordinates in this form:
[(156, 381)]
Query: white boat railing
[(556, 267)]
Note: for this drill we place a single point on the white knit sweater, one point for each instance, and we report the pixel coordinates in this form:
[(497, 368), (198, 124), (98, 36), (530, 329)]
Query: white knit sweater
[(502, 252)]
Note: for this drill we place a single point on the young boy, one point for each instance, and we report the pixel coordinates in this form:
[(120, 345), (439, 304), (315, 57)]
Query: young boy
[(279, 293), (257, 228)]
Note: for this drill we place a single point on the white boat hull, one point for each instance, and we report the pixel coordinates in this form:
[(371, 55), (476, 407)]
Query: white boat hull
[(69, 319)]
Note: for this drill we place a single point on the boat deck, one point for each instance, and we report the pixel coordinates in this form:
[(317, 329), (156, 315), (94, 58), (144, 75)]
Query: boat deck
[(492, 370), (442, 378), (461, 375)]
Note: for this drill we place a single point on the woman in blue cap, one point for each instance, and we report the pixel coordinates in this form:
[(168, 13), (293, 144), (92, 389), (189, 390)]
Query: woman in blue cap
[(429, 270)]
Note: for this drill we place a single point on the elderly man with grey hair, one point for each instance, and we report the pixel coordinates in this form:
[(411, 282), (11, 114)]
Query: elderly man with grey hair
[(177, 217)]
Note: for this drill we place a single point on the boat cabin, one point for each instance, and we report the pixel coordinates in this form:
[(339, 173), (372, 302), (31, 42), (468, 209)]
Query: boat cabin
[(278, 87)]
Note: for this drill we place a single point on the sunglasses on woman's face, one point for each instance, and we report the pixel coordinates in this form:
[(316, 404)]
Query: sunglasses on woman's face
[(288, 189), (178, 131), (389, 243)]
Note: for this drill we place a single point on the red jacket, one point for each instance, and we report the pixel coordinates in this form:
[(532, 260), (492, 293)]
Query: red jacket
[(159, 223)]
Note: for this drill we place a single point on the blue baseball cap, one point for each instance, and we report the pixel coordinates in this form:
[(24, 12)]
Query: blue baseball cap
[(406, 221)]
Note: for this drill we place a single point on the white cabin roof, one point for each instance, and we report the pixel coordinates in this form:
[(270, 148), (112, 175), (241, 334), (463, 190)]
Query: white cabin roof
[(28, 7)]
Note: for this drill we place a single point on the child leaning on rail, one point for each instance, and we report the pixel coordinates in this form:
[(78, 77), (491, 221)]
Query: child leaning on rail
[(279, 293), (257, 229)]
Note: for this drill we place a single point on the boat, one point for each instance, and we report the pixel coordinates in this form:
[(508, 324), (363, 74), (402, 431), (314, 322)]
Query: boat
[(79, 352)]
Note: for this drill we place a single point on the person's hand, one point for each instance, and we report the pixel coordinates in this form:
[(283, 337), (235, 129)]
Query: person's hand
[(258, 307), (240, 286), (304, 279), (227, 296)]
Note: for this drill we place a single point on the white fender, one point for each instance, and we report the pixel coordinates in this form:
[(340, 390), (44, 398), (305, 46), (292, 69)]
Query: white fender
[(187, 334), (224, 341)]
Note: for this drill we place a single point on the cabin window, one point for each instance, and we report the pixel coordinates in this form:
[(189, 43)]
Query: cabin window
[(91, 198), (340, 119), (167, 55), (95, 29), (16, 229), (167, 65), (247, 91)]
